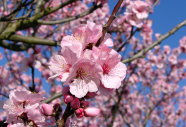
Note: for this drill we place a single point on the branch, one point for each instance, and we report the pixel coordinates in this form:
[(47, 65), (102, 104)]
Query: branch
[(85, 13), (163, 37), (30, 40), (13, 47), (51, 10), (32, 21), (52, 98), (111, 18)]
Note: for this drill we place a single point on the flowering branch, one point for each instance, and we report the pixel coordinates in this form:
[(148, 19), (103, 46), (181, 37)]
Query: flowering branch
[(85, 13), (144, 51), (50, 99), (107, 25)]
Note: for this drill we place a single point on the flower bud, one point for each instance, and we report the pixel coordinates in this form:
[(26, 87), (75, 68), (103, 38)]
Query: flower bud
[(47, 109), (90, 95), (91, 112), (75, 104), (80, 115), (79, 111), (68, 99), (84, 104)]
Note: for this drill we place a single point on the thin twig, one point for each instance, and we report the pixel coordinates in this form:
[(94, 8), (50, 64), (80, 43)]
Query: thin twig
[(85, 13), (107, 25), (163, 37)]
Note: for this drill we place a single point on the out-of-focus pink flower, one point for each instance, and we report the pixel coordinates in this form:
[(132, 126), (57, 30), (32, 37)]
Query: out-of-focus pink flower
[(1, 56), (166, 49), (173, 59), (47, 109), (92, 111), (4, 75), (18, 125), (136, 12), (23, 106), (183, 44)]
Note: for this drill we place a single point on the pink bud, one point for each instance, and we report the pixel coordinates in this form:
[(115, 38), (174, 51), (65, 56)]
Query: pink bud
[(80, 115), (68, 99), (90, 95), (84, 104), (91, 112), (47, 109), (79, 111), (75, 103)]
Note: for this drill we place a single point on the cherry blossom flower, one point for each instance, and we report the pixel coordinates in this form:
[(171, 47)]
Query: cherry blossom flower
[(113, 70), (23, 106), (84, 77)]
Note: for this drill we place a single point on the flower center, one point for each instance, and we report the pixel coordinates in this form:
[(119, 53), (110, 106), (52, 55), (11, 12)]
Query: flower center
[(80, 73), (106, 69)]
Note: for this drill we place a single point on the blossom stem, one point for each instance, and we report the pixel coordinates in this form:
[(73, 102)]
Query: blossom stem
[(85, 13), (107, 25)]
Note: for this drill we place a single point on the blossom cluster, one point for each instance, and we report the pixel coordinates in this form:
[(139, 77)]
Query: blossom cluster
[(23, 108), (136, 12), (85, 67)]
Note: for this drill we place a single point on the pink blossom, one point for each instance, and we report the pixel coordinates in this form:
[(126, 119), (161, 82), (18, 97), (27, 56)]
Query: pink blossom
[(183, 44), (4, 75), (1, 56), (136, 12), (23, 105), (90, 32), (172, 59), (59, 66), (166, 49), (84, 78), (113, 70)]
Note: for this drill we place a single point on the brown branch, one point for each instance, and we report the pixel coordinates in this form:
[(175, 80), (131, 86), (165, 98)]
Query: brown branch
[(163, 37), (30, 40), (85, 13), (13, 47), (107, 25), (68, 112), (32, 21)]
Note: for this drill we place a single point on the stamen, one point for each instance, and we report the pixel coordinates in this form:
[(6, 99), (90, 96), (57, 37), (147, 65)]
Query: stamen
[(81, 73), (106, 69)]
